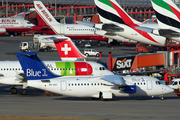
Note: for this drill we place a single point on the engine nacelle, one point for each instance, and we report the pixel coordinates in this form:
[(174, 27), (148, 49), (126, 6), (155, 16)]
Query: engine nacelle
[(2, 31)]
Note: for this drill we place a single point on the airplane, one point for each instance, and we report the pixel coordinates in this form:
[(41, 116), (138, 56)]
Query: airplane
[(11, 72), (14, 26), (48, 25), (168, 17), (116, 21), (104, 87)]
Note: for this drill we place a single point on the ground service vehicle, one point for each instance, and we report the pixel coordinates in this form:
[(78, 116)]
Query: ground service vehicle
[(88, 52), (175, 84), (40, 42)]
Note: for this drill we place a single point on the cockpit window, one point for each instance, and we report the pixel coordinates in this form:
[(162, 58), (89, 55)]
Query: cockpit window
[(175, 83), (28, 23), (158, 82)]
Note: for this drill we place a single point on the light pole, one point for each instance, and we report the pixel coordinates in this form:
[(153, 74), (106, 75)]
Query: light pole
[(124, 4), (6, 8), (55, 7)]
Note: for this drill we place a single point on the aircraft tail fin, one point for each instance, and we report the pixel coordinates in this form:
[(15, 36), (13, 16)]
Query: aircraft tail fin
[(66, 48), (33, 67), (43, 15), (111, 11), (167, 13)]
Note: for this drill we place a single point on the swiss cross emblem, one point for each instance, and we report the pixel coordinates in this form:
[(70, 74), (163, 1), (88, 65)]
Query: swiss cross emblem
[(66, 49)]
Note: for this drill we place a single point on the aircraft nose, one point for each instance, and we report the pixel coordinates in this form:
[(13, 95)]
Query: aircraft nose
[(167, 89)]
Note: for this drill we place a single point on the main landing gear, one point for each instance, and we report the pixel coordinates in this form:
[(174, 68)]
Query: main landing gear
[(13, 90)]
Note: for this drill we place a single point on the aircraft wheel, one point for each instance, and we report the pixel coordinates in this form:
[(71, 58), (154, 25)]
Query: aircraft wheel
[(87, 55), (13, 91), (23, 91)]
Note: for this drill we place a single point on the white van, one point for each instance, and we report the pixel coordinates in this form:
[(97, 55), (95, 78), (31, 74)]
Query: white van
[(88, 52)]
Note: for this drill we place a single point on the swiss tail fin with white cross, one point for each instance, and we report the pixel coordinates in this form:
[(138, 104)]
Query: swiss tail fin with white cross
[(66, 48)]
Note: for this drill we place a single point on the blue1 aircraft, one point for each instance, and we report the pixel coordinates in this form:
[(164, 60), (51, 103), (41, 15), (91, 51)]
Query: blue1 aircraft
[(104, 87)]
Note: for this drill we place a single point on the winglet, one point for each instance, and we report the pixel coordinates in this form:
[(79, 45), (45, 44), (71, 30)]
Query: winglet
[(33, 67)]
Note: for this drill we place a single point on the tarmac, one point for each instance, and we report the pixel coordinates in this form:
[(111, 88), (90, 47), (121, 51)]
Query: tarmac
[(37, 103)]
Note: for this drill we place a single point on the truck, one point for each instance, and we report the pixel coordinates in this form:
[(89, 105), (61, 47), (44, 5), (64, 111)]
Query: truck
[(40, 43), (175, 84)]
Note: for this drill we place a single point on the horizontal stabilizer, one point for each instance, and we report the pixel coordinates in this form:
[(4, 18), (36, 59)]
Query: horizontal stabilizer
[(168, 32), (112, 28)]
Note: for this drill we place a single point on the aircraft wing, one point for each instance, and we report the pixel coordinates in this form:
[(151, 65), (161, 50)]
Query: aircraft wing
[(20, 77), (57, 38), (108, 80), (142, 73), (113, 79)]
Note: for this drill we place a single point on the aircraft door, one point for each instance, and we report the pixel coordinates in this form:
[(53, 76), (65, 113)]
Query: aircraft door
[(63, 86), (89, 69), (22, 23), (61, 29), (149, 84)]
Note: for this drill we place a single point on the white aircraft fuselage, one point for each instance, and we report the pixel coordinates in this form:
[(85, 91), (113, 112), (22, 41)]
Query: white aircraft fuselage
[(14, 25), (94, 86)]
